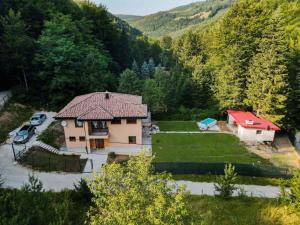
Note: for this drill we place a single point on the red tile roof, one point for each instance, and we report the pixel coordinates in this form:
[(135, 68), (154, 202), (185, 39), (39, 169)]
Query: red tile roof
[(96, 106), (258, 123)]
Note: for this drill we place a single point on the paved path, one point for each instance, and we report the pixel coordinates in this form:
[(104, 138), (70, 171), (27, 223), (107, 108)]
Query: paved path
[(202, 188), (194, 132)]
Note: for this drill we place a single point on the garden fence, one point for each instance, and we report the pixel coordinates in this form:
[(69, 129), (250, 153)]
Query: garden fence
[(53, 164), (218, 169)]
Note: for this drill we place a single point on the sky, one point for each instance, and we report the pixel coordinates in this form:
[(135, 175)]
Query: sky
[(141, 7)]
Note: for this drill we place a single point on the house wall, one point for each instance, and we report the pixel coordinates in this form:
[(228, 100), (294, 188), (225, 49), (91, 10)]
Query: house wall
[(230, 120), (247, 134), (118, 134), (72, 131)]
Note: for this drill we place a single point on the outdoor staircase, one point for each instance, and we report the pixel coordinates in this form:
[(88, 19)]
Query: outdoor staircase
[(47, 147)]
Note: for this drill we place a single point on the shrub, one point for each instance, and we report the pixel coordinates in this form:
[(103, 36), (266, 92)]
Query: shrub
[(33, 185), (53, 135), (225, 184), (112, 155), (292, 197), (82, 191)]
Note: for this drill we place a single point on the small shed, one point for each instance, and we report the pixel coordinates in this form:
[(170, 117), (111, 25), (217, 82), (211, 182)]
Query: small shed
[(249, 127)]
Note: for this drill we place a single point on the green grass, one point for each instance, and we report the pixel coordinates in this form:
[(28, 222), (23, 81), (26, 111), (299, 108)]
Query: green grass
[(240, 211), (178, 126), (201, 148), (240, 179), (54, 135), (11, 117), (43, 160)]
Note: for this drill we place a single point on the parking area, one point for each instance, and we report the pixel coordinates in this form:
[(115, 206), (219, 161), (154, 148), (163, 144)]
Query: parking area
[(15, 175)]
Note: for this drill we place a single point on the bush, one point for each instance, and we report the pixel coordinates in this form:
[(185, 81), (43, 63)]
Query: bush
[(112, 155), (82, 191), (53, 135), (292, 197), (225, 184), (33, 185)]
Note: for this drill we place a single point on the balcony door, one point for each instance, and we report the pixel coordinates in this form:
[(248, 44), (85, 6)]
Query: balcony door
[(98, 126)]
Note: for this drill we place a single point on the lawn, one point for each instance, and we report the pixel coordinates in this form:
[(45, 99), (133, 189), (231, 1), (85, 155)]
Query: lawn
[(43, 160), (206, 147), (178, 126), (240, 211)]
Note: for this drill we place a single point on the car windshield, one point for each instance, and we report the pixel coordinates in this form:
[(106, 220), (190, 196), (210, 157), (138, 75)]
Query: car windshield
[(22, 133), (35, 118)]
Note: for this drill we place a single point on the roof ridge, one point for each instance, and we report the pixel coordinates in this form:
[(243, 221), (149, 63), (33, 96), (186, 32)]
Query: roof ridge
[(92, 94), (97, 106)]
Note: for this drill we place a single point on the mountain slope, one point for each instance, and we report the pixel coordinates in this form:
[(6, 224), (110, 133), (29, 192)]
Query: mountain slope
[(175, 21)]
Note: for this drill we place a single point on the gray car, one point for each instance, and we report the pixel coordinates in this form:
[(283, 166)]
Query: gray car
[(24, 134), (38, 119)]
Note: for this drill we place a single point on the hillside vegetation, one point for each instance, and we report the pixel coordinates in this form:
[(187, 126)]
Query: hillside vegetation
[(175, 21)]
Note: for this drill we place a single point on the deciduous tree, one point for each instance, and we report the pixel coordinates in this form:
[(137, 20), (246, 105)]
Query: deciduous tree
[(132, 194)]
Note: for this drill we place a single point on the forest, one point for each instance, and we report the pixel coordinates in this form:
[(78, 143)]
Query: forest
[(248, 59), (176, 21)]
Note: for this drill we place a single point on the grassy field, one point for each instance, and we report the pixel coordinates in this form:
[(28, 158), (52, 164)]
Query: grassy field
[(40, 159), (240, 179), (178, 126), (240, 211), (201, 148)]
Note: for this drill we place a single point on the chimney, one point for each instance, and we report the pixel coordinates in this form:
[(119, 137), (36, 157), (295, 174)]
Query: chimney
[(106, 95)]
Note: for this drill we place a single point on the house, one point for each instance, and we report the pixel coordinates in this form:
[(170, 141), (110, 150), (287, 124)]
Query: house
[(103, 119), (249, 127)]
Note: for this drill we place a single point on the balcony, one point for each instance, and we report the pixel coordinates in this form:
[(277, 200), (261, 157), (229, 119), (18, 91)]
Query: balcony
[(99, 132)]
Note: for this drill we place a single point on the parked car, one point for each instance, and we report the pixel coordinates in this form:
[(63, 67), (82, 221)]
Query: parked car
[(24, 134), (38, 119)]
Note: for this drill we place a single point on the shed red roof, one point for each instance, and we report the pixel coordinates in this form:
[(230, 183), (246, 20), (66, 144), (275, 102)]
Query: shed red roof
[(96, 106), (258, 123)]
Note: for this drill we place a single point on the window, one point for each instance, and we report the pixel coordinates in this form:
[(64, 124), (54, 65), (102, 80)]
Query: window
[(259, 132), (131, 121), (81, 138), (132, 139), (72, 139), (78, 123), (116, 121)]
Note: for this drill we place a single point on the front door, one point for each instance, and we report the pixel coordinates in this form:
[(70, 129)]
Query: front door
[(99, 143)]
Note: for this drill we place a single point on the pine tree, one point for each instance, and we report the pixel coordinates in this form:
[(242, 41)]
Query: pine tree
[(267, 87), (151, 67), (230, 81), (145, 73), (129, 83), (135, 67)]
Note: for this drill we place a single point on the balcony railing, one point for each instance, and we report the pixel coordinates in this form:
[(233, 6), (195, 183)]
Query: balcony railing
[(99, 132)]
